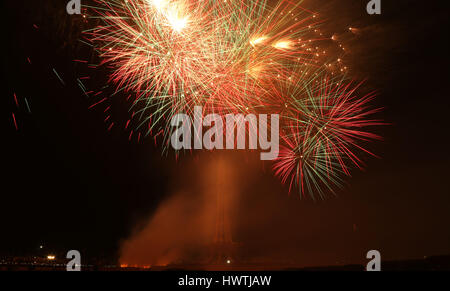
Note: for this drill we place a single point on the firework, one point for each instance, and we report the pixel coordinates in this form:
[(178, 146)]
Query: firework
[(240, 56), (323, 131), (218, 54)]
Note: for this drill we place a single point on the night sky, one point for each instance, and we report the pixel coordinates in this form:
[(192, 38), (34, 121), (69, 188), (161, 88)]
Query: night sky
[(69, 183)]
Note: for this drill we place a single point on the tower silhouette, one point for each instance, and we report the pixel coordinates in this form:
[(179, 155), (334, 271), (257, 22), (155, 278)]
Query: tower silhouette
[(223, 247)]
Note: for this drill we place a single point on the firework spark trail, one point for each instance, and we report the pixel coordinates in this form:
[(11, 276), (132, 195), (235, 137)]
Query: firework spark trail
[(59, 77), (15, 122), (241, 56)]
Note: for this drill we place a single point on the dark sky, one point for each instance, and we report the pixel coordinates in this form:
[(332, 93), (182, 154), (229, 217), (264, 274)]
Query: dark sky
[(69, 183)]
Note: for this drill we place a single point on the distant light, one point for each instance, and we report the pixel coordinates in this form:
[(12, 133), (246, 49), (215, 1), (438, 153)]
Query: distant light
[(41, 246), (51, 257), (228, 261)]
